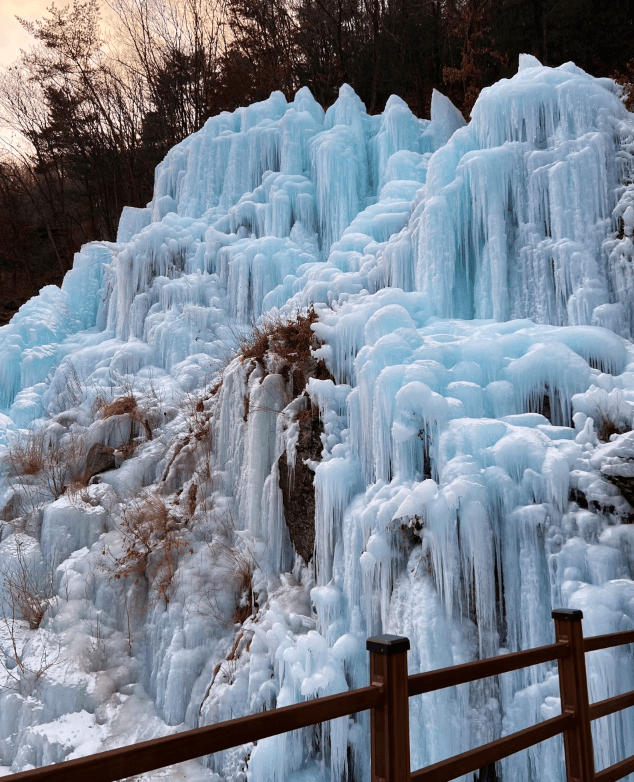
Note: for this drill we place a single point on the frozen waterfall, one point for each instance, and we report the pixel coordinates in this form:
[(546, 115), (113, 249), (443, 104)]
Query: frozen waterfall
[(470, 291)]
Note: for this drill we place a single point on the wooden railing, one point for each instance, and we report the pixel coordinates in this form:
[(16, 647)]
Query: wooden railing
[(387, 696)]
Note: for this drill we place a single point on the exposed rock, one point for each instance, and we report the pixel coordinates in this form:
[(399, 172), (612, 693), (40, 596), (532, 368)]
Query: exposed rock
[(285, 346), (100, 459), (10, 508), (298, 490), (622, 476)]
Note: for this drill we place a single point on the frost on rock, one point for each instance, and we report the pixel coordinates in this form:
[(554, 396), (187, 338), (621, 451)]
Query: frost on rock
[(345, 374)]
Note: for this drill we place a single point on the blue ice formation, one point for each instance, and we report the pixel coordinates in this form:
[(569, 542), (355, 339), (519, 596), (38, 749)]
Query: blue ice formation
[(473, 286)]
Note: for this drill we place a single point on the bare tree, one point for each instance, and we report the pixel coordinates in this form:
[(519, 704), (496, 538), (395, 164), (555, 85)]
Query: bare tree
[(173, 48)]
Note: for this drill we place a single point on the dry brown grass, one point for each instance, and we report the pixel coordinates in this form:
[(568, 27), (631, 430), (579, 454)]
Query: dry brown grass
[(120, 406), (27, 454)]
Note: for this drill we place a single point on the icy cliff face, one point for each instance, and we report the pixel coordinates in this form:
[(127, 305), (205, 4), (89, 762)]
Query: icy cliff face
[(468, 289)]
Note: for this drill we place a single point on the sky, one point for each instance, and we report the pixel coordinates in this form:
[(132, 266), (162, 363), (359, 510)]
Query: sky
[(12, 36)]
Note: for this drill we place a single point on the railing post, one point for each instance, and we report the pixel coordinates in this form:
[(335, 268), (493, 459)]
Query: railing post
[(573, 687), (390, 722)]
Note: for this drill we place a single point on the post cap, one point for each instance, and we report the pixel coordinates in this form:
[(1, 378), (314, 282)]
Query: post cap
[(387, 644), (571, 614)]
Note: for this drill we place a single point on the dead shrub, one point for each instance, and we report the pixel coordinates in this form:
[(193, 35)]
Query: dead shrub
[(70, 389), (291, 338), (256, 343), (606, 427), (28, 595), (244, 583), (125, 405), (236, 563), (193, 406), (152, 541), (191, 499), (38, 470), (67, 464), (228, 669), (626, 79), (191, 456), (289, 342), (120, 406), (77, 486), (610, 421), (27, 455), (24, 675)]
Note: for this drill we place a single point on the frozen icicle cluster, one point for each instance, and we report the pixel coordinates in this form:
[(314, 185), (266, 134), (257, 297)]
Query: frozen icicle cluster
[(428, 431), (518, 205)]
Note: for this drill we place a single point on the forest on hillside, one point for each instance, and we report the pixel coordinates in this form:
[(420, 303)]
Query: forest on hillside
[(98, 111)]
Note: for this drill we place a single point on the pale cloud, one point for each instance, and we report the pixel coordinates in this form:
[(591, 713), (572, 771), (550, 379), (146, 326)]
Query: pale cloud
[(12, 36)]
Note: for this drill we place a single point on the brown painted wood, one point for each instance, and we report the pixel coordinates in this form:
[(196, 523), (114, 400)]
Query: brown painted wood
[(387, 696), (492, 666), (573, 687), (611, 705), (150, 755), (595, 642), (617, 771), (390, 721), (494, 751)]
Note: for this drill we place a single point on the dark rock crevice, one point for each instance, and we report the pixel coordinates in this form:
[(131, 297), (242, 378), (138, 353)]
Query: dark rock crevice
[(298, 485)]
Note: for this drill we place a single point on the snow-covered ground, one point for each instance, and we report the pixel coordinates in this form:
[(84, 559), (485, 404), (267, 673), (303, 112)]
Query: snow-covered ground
[(466, 414)]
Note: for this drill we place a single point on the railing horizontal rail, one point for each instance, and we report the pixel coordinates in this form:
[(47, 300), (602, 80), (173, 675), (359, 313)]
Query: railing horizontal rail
[(150, 755), (595, 642), (492, 666), (611, 705), (494, 751), (617, 771), (387, 696)]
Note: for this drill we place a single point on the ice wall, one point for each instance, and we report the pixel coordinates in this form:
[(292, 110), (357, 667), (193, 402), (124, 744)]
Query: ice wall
[(472, 287)]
